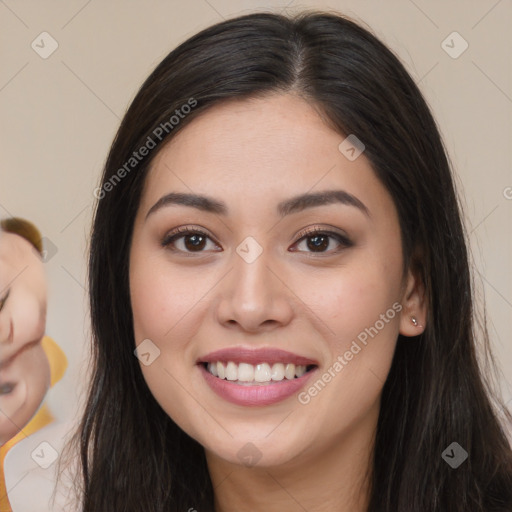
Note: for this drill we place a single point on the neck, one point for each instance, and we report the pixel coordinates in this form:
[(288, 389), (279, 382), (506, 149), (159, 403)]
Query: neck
[(335, 476)]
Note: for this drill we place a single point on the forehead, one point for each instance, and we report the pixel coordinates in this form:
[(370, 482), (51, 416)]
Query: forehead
[(257, 151)]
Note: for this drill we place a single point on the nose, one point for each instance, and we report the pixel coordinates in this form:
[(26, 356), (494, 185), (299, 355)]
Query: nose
[(254, 296)]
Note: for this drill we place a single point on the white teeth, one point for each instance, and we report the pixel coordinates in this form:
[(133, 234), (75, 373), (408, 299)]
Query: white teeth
[(221, 372), (231, 371), (277, 371), (261, 373), (245, 372), (300, 370), (289, 371), (212, 368)]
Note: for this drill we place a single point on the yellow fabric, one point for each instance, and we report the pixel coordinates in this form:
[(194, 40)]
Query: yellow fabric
[(58, 364)]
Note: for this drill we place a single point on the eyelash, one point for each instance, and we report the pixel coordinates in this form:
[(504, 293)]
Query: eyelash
[(181, 232)]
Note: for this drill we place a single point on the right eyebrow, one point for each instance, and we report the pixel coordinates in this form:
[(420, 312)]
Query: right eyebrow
[(203, 203)]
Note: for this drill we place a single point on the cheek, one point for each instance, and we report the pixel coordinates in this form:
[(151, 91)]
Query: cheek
[(359, 305), (37, 373), (166, 298), (166, 304), (31, 372), (29, 321), (12, 405), (352, 298)]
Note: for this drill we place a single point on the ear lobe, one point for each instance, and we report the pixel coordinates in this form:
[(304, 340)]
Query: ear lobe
[(414, 313)]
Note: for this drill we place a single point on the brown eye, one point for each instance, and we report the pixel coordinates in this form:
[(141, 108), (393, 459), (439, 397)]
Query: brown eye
[(318, 241), (193, 240)]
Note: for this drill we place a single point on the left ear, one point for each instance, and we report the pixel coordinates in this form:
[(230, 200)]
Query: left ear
[(414, 313)]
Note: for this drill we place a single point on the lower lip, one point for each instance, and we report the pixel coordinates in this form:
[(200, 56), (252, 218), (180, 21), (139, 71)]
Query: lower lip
[(255, 395)]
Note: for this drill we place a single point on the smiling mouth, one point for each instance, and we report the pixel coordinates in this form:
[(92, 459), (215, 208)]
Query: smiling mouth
[(261, 374)]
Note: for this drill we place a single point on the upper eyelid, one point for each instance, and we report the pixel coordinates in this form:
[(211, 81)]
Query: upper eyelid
[(310, 231), (187, 230)]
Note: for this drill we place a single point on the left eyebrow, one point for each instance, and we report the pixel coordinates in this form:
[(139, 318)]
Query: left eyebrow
[(293, 205), (299, 203)]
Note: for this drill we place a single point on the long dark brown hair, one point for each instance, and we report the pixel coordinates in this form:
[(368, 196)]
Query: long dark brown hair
[(133, 456)]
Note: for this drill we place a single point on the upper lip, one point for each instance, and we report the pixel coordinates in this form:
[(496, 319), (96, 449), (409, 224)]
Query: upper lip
[(256, 356)]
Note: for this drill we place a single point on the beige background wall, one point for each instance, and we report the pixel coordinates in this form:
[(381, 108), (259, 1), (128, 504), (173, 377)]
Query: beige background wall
[(58, 116)]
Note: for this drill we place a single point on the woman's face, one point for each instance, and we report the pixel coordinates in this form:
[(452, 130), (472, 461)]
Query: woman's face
[(256, 297), (24, 367)]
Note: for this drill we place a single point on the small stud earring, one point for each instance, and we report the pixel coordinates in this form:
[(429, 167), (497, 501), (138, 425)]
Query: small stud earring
[(414, 321)]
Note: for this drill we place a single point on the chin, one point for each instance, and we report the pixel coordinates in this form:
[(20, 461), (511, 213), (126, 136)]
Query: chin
[(258, 452)]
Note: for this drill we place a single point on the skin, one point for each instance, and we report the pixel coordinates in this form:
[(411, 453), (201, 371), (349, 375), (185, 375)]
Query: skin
[(24, 367), (253, 154)]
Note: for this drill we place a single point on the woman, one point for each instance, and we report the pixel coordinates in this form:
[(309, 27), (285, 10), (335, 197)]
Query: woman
[(278, 241)]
